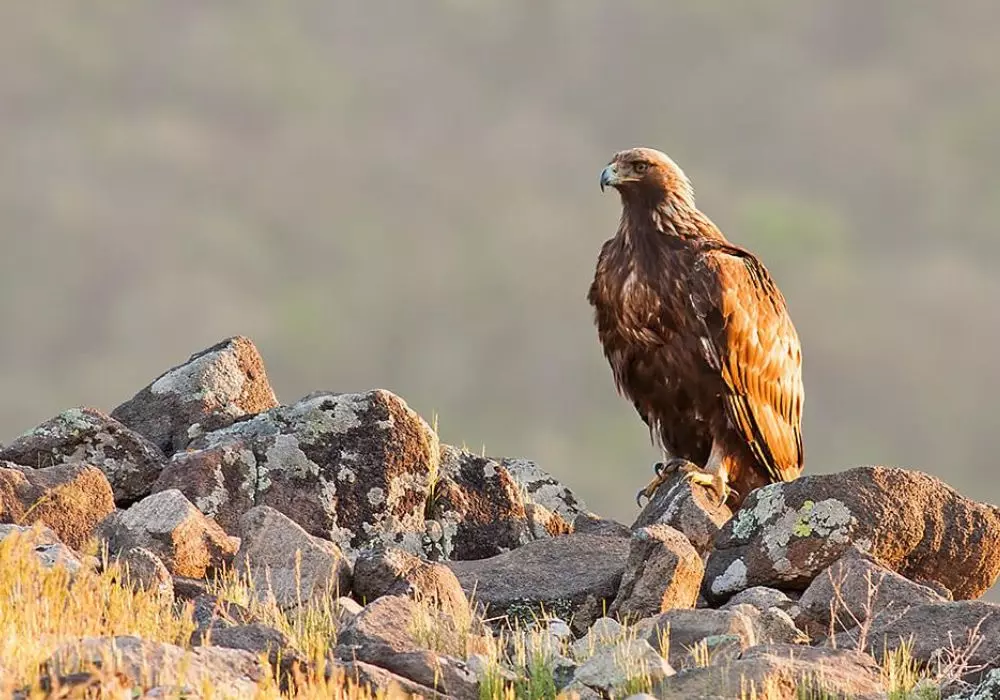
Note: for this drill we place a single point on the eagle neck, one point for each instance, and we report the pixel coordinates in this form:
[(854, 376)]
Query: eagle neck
[(664, 220)]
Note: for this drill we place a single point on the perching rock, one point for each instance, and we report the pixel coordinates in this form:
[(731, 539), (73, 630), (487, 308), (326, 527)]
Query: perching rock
[(479, 506), (380, 572), (856, 588), (169, 526), (686, 628), (663, 572), (689, 508), (270, 543), (786, 533), (88, 436), (210, 390), (353, 468), (571, 577), (780, 672), (147, 664), (387, 633), (71, 499)]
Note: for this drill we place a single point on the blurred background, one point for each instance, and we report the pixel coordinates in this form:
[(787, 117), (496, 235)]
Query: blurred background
[(405, 195)]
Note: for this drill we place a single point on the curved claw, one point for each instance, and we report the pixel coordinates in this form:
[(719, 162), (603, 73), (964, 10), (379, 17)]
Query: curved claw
[(638, 497)]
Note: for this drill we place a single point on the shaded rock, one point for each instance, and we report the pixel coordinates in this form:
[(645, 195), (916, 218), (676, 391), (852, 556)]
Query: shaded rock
[(71, 499), (395, 572), (144, 570), (209, 610), (772, 626), (389, 633), (940, 633), (169, 526), (987, 689), (269, 545), (571, 577), (663, 572), (479, 505), (85, 435), (186, 588), (684, 629), (786, 533), (372, 678), (541, 488), (45, 546), (211, 390), (352, 468), (688, 508), (150, 664), (611, 667), (255, 638), (587, 524), (220, 481), (856, 588), (778, 672)]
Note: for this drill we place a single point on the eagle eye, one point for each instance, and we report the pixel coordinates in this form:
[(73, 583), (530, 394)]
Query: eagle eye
[(641, 167)]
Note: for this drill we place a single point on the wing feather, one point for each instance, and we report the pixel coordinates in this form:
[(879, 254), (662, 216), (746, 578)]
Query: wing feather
[(749, 337)]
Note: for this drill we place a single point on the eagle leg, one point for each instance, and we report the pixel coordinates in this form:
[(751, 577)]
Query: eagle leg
[(714, 480), (663, 470)]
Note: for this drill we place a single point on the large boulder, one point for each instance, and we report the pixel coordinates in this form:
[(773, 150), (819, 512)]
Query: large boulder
[(785, 534), (687, 507), (169, 526), (572, 577), (287, 564), (353, 468), (71, 499), (210, 390), (88, 436), (663, 572)]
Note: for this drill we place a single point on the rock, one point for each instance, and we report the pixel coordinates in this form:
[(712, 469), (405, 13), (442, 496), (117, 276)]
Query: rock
[(542, 489), (144, 570), (372, 678), (382, 572), (962, 630), (256, 638), (150, 664), (777, 671), (220, 481), (772, 626), (479, 506), (856, 588), (352, 468), (211, 390), (209, 610), (186, 588), (543, 523), (605, 632), (169, 526), (760, 597), (45, 546), (587, 524), (610, 668), (579, 691), (88, 436), (269, 544), (346, 609), (987, 689), (684, 629), (688, 508), (571, 577), (387, 633), (663, 572), (71, 499), (786, 533)]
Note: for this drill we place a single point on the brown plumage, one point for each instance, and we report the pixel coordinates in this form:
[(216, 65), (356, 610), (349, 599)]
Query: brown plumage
[(697, 335)]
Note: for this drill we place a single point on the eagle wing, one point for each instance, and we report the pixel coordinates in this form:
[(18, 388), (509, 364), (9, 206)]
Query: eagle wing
[(748, 337)]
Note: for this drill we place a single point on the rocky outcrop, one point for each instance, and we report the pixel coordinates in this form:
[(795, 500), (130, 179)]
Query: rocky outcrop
[(787, 533)]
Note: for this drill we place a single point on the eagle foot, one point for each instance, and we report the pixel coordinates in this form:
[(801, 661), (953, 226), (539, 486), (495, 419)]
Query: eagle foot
[(692, 473)]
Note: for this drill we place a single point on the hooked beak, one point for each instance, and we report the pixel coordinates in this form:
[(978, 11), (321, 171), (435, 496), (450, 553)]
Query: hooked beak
[(609, 176)]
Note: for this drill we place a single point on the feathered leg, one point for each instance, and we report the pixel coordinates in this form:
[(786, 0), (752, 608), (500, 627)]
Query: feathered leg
[(715, 475)]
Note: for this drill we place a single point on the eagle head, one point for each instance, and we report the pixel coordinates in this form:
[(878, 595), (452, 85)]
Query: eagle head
[(648, 173)]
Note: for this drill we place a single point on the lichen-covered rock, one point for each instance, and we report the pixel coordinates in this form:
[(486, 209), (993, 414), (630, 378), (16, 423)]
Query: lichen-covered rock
[(387, 633), (780, 671), (857, 588), (686, 628), (211, 390), (147, 664), (573, 577), (479, 506), (220, 481), (786, 533), (286, 563), (379, 572), (987, 689), (71, 499), (88, 436), (543, 489), (169, 526), (688, 508), (663, 572), (352, 468)]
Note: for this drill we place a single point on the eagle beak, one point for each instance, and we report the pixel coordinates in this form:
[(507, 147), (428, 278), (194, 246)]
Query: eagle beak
[(609, 176)]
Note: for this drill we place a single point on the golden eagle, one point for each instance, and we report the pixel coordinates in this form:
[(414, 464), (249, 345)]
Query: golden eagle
[(697, 335)]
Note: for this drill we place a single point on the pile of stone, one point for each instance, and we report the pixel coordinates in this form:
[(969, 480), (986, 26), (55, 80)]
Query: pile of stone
[(351, 497)]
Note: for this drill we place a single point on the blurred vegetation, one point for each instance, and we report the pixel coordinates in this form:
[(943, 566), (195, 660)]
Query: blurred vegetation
[(404, 195)]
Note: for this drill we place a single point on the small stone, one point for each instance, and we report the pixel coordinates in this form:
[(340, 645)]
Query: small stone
[(663, 572), (169, 526)]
